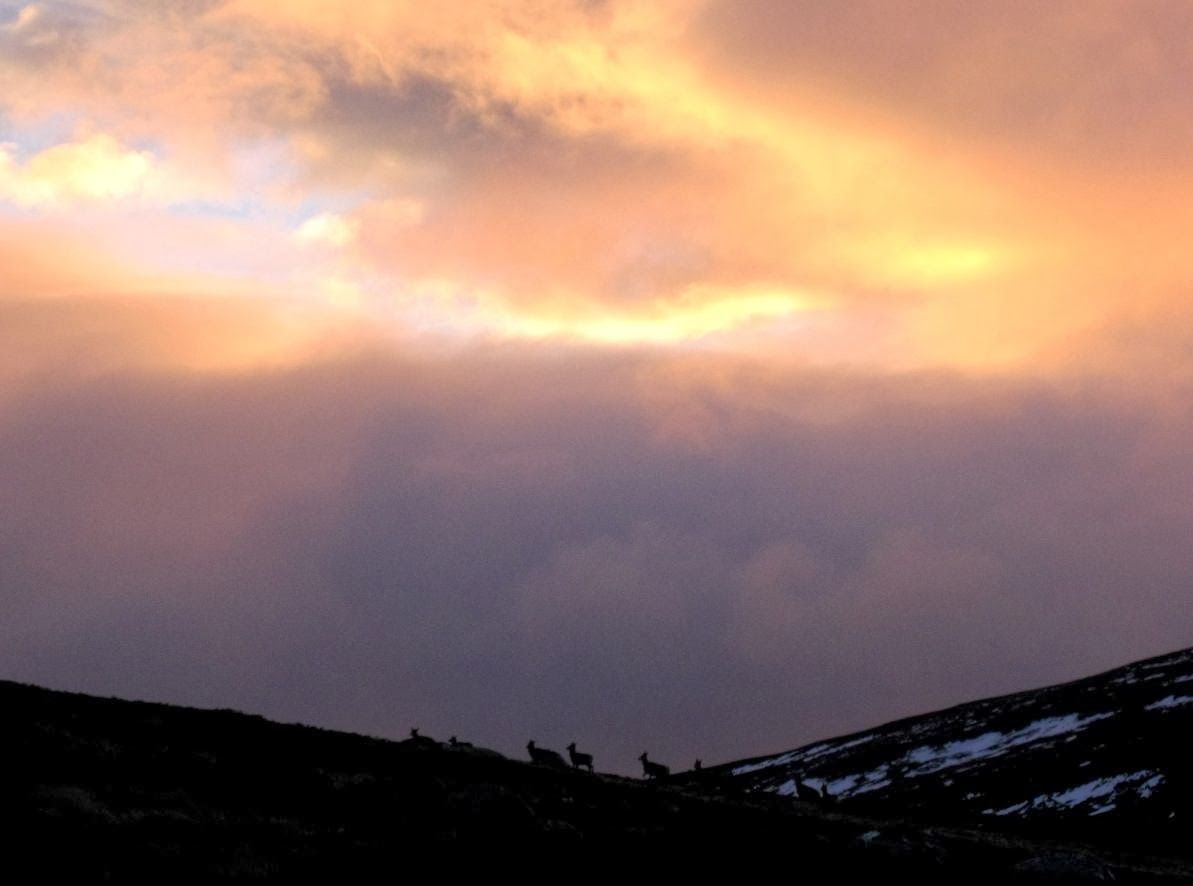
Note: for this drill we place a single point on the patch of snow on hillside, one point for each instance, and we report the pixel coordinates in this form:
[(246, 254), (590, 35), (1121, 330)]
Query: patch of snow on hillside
[(841, 787), (780, 760), (804, 755), (847, 786), (1083, 793), (1170, 701), (927, 759), (1163, 663), (1101, 789), (1145, 790), (955, 753), (967, 749), (867, 786), (1008, 810), (814, 752)]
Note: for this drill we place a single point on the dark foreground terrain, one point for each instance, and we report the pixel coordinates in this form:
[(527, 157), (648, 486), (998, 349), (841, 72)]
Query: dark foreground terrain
[(101, 789)]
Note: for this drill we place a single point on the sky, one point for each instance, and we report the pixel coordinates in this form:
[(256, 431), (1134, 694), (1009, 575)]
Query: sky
[(704, 377)]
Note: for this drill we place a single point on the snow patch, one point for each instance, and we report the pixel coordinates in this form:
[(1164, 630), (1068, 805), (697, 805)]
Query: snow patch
[(926, 759), (991, 744), (1009, 810), (1170, 701), (842, 786), (853, 784), (1146, 789), (1083, 793), (1103, 790), (780, 760), (803, 755), (814, 752), (872, 786), (1164, 662)]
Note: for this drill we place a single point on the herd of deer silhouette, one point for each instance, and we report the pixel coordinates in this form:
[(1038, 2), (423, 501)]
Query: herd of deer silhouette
[(651, 770)]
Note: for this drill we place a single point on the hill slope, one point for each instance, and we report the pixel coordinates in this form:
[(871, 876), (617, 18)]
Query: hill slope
[(1105, 758), (105, 789)]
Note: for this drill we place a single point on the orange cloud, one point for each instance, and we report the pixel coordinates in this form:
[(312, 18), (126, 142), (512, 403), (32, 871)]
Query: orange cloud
[(72, 338), (699, 312), (632, 171), (82, 303)]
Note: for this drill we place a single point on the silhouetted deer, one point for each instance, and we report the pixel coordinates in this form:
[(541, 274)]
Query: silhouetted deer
[(422, 740), (697, 766), (651, 769), (458, 744), (579, 759), (545, 756)]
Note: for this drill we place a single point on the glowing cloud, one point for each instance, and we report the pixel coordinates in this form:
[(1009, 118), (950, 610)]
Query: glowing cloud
[(700, 313), (96, 169), (327, 227), (623, 171)]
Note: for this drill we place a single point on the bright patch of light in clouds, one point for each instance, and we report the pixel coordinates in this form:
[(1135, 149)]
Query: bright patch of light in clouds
[(329, 228), (698, 314), (95, 169), (25, 17)]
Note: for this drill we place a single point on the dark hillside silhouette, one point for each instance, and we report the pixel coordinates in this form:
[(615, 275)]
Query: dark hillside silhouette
[(101, 789)]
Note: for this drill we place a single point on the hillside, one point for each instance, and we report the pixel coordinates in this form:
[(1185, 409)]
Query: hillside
[(107, 789), (1105, 758)]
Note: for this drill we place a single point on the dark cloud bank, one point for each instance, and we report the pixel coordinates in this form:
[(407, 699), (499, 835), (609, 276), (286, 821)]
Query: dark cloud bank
[(635, 553)]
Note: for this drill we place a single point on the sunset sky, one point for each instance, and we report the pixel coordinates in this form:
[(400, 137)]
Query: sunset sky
[(704, 376)]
